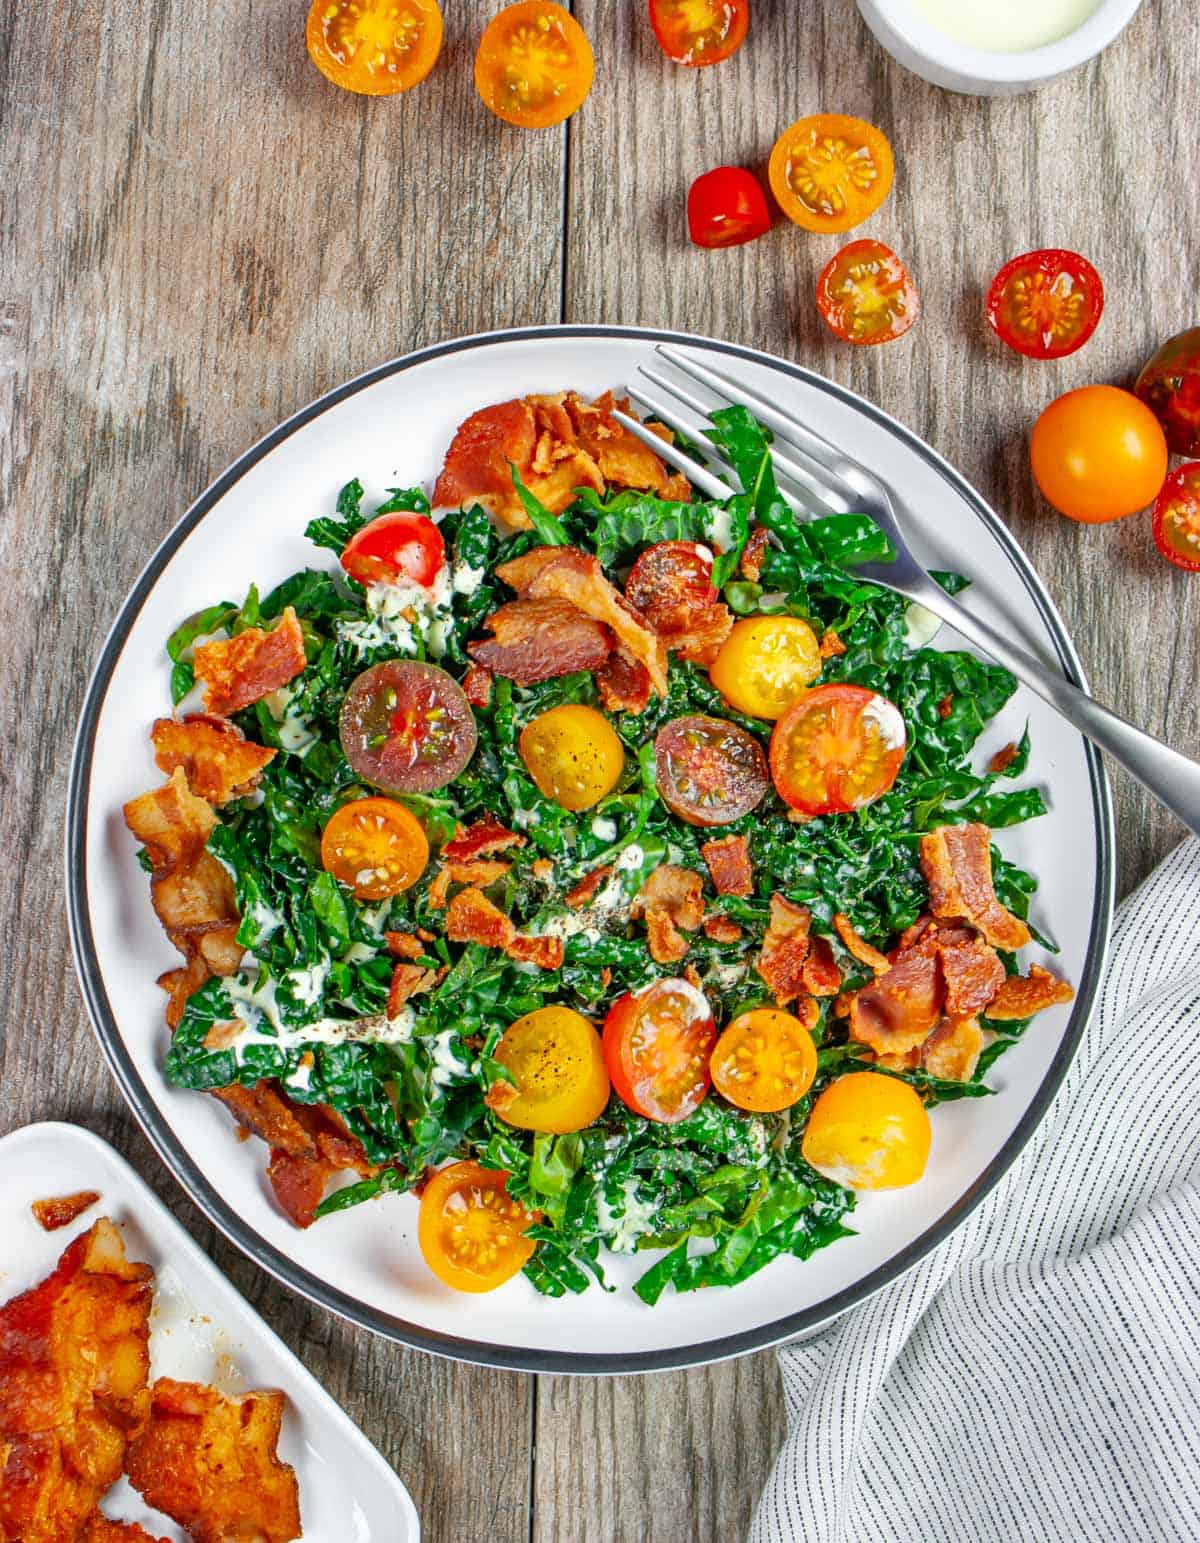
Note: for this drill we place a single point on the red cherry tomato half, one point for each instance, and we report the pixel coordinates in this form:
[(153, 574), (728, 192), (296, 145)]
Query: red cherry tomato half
[(1046, 304), (1177, 518), (657, 1046), (837, 749), (700, 32), (727, 207), (401, 545), (866, 295), (1170, 388)]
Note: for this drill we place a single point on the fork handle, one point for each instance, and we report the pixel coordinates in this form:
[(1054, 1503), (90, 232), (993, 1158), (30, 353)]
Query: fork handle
[(1174, 779)]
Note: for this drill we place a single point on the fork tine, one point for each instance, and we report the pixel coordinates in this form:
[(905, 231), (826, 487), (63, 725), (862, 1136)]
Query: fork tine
[(704, 479), (669, 415)]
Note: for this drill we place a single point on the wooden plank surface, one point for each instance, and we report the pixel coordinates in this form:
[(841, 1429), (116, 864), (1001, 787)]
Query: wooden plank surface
[(197, 236)]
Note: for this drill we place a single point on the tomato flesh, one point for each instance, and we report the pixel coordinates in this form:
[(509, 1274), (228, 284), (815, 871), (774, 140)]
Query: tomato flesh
[(561, 1079), (407, 727), (765, 1060), (765, 663), (837, 749), (709, 771), (671, 583), (1170, 387), (830, 172), (866, 295), (403, 545), (573, 754), (374, 47), (868, 1131), (727, 207), (700, 32), (1177, 518), (534, 67), (657, 1046), (375, 846), (470, 1229), (1046, 304), (1098, 454)]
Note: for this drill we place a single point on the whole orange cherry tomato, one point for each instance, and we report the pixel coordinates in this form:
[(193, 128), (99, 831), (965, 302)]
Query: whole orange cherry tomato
[(699, 32), (866, 295), (376, 846), (471, 1230), (1098, 454), (534, 66), (374, 47), (830, 172), (868, 1131)]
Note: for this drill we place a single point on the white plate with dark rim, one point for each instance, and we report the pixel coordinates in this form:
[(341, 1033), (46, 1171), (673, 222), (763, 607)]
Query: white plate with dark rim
[(201, 1330), (390, 428)]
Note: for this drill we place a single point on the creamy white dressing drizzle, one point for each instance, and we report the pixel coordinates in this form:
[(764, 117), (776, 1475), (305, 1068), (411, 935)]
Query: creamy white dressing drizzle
[(295, 731), (253, 1006), (622, 1227), (884, 717)]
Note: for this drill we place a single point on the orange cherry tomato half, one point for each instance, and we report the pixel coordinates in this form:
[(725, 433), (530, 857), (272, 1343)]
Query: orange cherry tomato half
[(727, 207), (1098, 454), (837, 749), (1177, 518), (376, 846), (471, 1230), (699, 32), (830, 172), (534, 66), (657, 1044), (1170, 387), (400, 545), (374, 47), (1046, 304), (866, 295), (766, 1060), (868, 1131)]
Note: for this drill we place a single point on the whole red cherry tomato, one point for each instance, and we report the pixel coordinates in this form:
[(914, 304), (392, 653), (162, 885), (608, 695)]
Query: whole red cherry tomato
[(1046, 304), (727, 207), (1170, 388), (1177, 518)]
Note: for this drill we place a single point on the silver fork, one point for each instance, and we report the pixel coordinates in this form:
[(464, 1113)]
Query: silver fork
[(830, 480)]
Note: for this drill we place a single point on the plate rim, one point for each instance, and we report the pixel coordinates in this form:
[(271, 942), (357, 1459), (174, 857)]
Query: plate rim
[(185, 1170)]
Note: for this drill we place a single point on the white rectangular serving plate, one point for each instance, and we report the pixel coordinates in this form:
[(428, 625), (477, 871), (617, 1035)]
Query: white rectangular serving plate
[(201, 1330)]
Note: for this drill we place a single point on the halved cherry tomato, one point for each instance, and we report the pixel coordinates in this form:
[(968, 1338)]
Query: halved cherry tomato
[(766, 1060), (839, 748), (1098, 454), (1046, 304), (671, 583), (1177, 518), (374, 47), (374, 845), (407, 727), (1170, 387), (573, 754), (471, 1230), (562, 1082), (657, 1045), (868, 1131), (699, 32), (727, 207), (708, 771), (400, 545), (866, 295), (765, 663), (534, 66), (830, 172)]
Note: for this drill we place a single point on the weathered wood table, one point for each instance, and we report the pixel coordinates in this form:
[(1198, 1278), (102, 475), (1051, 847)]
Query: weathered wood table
[(200, 235)]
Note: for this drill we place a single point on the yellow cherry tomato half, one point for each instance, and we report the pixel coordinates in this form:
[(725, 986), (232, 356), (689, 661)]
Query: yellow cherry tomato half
[(766, 1060), (573, 754), (374, 47), (868, 1131), (765, 663), (376, 846), (471, 1230), (534, 67), (830, 172), (1098, 454), (562, 1081)]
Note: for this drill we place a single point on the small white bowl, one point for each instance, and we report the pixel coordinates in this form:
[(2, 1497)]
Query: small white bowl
[(930, 53)]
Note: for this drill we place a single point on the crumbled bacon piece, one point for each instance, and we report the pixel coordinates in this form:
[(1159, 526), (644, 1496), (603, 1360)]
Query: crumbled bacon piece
[(408, 980), (1004, 758), (404, 944), (672, 902), (500, 1096), (957, 863), (785, 949), (754, 553), (623, 684), (218, 760), (547, 953), (1021, 996), (973, 974), (728, 861), (180, 984), (480, 839), (472, 918), (61, 1210), (542, 868), (858, 946), (170, 822), (722, 929), (584, 892), (536, 640), (577, 577), (700, 641), (519, 572), (832, 646), (477, 686), (952, 1049), (665, 941), (482, 872), (946, 706), (98, 1529), (897, 1011), (239, 670), (822, 978), (910, 934)]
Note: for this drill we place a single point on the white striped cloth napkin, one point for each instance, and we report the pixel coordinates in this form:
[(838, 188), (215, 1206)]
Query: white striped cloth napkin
[(1038, 1376)]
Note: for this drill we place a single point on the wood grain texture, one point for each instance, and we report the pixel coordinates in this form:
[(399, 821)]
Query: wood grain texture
[(198, 235)]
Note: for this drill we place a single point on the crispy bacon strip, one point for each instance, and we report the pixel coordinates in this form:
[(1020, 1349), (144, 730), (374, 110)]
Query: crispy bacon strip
[(957, 863), (784, 951), (546, 953), (973, 974), (98, 1529), (623, 684), (822, 978), (472, 918), (61, 1210), (239, 670), (858, 946), (170, 822), (728, 861), (754, 553), (74, 1361), (952, 1049), (1021, 996), (584, 892), (483, 838), (722, 929), (896, 1012), (537, 639), (406, 945), (832, 646), (211, 1464), (408, 980), (577, 577), (672, 902), (519, 572), (218, 760)]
